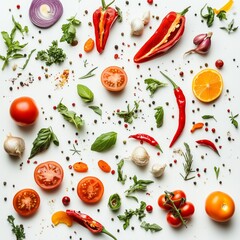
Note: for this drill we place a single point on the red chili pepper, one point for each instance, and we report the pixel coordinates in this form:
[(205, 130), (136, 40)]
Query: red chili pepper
[(166, 36), (87, 222), (146, 138), (208, 143), (103, 19), (181, 102), (197, 126)]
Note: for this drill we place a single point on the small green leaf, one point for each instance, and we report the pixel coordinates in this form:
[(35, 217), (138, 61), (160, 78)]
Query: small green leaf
[(104, 142), (153, 85), (159, 116), (152, 227), (85, 93), (96, 109), (217, 171), (121, 178)]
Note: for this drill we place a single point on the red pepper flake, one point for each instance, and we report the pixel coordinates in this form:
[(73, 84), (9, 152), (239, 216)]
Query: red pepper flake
[(126, 125), (205, 170), (113, 171), (35, 162), (70, 166), (213, 130), (199, 175), (206, 129), (158, 153), (181, 74), (150, 2), (73, 104), (54, 107), (39, 78), (80, 55), (18, 6), (175, 161), (116, 56)]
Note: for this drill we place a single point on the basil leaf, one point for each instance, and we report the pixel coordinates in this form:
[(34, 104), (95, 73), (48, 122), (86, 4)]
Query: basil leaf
[(43, 140), (153, 85), (152, 227), (104, 142), (159, 116), (121, 178), (85, 93), (70, 116), (96, 109)]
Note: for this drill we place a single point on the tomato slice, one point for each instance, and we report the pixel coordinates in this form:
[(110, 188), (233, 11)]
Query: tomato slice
[(114, 78), (90, 189), (26, 202), (48, 175)]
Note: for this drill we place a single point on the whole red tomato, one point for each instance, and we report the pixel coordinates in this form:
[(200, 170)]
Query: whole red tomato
[(24, 111), (187, 210)]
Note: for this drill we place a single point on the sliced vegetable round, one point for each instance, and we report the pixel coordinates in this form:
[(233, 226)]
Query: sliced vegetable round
[(114, 202), (114, 78), (90, 189), (45, 13), (26, 202), (48, 175)]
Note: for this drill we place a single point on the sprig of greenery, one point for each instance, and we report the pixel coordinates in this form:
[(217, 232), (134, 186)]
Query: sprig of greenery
[(138, 185), (209, 117), (222, 15), (153, 85), (89, 74), (74, 150), (233, 120), (28, 59), (43, 140), (230, 27), (129, 114), (152, 227), (209, 16), (18, 230), (121, 178), (188, 163)]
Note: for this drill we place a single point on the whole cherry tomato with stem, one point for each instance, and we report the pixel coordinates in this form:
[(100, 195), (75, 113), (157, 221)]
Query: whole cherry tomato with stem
[(187, 210), (173, 220)]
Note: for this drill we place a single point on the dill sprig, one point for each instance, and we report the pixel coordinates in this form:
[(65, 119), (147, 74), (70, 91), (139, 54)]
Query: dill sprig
[(188, 163)]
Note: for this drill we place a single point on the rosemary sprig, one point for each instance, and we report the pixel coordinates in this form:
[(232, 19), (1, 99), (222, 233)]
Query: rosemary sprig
[(89, 74), (74, 150), (188, 163)]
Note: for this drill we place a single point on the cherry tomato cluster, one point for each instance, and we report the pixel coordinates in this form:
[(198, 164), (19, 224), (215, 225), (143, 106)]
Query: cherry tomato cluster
[(179, 210)]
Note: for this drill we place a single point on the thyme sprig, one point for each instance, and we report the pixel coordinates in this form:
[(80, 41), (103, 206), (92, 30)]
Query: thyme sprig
[(188, 163), (89, 74)]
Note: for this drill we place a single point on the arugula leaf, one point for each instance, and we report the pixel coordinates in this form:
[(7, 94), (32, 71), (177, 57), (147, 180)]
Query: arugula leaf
[(17, 230), (104, 142), (230, 28), (233, 120), (152, 227), (69, 30), (96, 109), (53, 54), (70, 116), (153, 85), (159, 116), (85, 93), (121, 178), (43, 140)]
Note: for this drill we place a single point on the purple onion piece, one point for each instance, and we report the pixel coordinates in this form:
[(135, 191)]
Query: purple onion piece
[(38, 19)]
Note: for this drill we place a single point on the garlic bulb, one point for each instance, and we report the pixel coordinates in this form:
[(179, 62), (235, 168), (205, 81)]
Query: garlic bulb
[(140, 156), (158, 169), (14, 146), (146, 18), (137, 27)]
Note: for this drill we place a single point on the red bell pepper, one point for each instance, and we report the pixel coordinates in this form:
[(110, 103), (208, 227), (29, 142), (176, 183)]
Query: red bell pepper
[(103, 19), (166, 36)]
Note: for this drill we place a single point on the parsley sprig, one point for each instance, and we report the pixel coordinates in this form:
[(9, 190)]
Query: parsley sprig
[(18, 230)]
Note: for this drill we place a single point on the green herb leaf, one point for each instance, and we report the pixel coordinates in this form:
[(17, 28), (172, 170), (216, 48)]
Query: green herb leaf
[(233, 120), (230, 28), (153, 85), (209, 16), (188, 163), (28, 59), (159, 116), (152, 227), (119, 11), (89, 74), (121, 178), (114, 202), (96, 109), (217, 171), (85, 93), (43, 140), (104, 142), (209, 117), (53, 54), (19, 26), (17, 230), (69, 30), (70, 116), (222, 15)]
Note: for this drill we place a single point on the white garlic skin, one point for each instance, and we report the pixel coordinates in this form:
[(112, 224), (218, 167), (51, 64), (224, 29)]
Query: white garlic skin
[(14, 146), (137, 27), (158, 169), (146, 18), (140, 156)]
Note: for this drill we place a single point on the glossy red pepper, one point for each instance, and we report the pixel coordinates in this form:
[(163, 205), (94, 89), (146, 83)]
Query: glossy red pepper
[(87, 222), (181, 102), (146, 138), (166, 36), (103, 19), (209, 144)]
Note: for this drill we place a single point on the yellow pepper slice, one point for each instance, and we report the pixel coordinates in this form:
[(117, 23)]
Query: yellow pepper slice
[(225, 8), (61, 217)]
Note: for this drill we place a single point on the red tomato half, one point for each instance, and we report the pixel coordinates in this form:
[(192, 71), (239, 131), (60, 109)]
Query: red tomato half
[(26, 202), (90, 189), (24, 111), (48, 175)]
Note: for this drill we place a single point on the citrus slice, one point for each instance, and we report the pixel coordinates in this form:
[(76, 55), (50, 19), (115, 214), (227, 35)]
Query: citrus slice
[(207, 85)]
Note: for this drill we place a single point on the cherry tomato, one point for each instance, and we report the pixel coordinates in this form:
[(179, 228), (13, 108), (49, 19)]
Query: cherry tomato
[(219, 63), (179, 197), (149, 208), (187, 210), (24, 111), (162, 203), (219, 206), (90, 189), (66, 200), (26, 202), (114, 78), (48, 175), (173, 220)]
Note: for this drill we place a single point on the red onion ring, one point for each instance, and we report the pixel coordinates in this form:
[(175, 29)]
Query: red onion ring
[(38, 19)]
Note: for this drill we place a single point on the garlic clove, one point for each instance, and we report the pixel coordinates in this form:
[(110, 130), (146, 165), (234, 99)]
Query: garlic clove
[(146, 18), (14, 146), (158, 169), (137, 27), (140, 156)]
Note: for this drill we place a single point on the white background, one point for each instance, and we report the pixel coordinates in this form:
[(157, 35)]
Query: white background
[(224, 46)]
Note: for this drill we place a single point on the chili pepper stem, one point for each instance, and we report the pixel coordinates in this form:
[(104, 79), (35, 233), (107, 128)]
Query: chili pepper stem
[(158, 147), (108, 233), (170, 80), (105, 6), (184, 11)]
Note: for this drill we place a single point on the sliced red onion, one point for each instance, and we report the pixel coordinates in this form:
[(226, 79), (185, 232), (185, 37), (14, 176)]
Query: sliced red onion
[(45, 13)]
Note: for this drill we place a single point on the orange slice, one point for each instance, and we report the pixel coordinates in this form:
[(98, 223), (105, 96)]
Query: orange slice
[(61, 217), (207, 85)]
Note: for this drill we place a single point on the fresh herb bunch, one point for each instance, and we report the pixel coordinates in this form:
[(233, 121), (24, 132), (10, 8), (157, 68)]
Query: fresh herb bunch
[(188, 163), (69, 30), (18, 230), (53, 54), (13, 46), (43, 140), (233, 120), (153, 85)]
